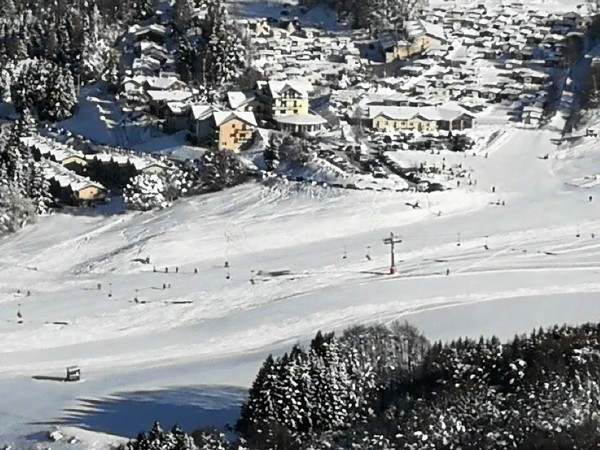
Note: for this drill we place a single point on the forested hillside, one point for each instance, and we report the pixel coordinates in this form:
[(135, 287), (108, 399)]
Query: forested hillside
[(46, 58), (388, 388)]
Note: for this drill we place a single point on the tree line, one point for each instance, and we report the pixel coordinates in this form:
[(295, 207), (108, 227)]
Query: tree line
[(376, 15), (389, 388)]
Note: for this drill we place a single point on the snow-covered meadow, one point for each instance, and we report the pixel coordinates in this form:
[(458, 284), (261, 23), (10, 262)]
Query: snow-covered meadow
[(533, 261), (468, 265)]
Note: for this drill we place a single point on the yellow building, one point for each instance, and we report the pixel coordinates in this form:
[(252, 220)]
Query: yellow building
[(387, 124), (88, 193), (395, 119), (286, 98), (421, 36), (74, 160), (235, 129)]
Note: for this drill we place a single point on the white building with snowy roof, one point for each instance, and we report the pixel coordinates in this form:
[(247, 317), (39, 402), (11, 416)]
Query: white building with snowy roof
[(401, 119), (300, 123)]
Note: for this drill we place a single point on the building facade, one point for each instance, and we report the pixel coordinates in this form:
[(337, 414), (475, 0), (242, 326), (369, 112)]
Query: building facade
[(235, 130), (393, 119)]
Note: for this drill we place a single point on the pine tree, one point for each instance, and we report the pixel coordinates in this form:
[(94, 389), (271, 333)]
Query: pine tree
[(225, 54), (65, 95), (112, 72), (15, 209), (221, 169), (210, 440), (95, 57), (261, 404)]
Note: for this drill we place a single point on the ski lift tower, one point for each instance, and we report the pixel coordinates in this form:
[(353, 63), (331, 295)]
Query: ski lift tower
[(391, 241)]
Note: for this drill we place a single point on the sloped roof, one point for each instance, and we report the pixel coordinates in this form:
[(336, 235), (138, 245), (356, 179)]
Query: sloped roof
[(237, 99), (301, 85), (422, 27), (224, 116), (170, 96), (177, 107), (66, 178), (427, 112), (139, 29), (141, 163), (161, 83), (201, 111), (47, 146)]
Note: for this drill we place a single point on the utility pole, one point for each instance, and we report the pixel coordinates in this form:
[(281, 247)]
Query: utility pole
[(391, 241)]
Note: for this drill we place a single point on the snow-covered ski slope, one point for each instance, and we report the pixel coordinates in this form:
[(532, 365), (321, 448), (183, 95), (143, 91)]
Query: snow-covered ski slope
[(538, 249)]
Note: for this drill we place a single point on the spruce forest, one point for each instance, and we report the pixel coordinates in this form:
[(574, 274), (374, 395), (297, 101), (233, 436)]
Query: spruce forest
[(384, 388)]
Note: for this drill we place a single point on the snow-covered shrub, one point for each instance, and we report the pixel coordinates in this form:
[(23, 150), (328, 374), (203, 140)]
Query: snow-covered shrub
[(146, 191), (178, 183), (150, 191)]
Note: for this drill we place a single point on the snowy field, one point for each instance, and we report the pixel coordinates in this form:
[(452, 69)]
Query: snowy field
[(467, 266), (534, 261)]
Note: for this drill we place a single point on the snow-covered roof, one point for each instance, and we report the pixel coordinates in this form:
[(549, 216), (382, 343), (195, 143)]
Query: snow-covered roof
[(142, 163), (427, 112), (169, 96), (301, 119), (66, 178), (421, 27), (156, 28), (177, 107), (120, 159), (237, 99), (224, 116), (301, 85), (201, 111), (160, 83), (49, 147)]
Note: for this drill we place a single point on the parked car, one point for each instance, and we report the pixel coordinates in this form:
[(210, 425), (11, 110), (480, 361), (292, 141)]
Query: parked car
[(378, 172), (326, 153)]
